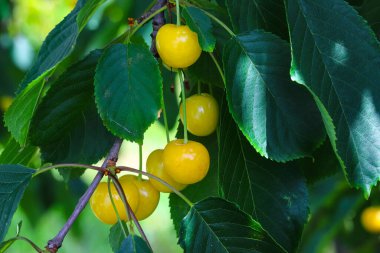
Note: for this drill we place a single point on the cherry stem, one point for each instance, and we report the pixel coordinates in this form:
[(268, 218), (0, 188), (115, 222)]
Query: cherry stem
[(199, 88), (128, 208), (178, 13), (140, 160), (183, 197), (114, 207), (67, 166), (179, 78), (22, 238), (54, 244), (165, 119), (219, 68)]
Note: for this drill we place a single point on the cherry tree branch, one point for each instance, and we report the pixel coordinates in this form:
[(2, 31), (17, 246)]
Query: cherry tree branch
[(54, 244)]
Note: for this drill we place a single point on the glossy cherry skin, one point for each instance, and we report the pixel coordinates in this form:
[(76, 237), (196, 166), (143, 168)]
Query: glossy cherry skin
[(155, 166), (186, 163), (177, 46)]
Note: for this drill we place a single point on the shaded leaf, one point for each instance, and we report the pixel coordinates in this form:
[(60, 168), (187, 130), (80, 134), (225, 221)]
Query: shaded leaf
[(216, 225), (134, 244), (342, 73), (370, 10), (279, 118), (14, 154), (275, 194), (247, 15), (66, 125), (117, 236), (13, 181), (128, 90)]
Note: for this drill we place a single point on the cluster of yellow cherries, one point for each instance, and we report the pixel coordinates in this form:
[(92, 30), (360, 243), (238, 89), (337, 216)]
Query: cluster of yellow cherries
[(181, 162)]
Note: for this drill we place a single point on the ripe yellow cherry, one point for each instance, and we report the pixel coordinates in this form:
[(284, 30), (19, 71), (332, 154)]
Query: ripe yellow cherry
[(5, 102), (155, 166), (101, 204), (148, 196), (370, 219), (177, 46), (202, 113), (186, 163)]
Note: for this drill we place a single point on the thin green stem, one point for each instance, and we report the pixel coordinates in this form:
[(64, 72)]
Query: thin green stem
[(135, 29), (165, 119), (219, 68), (199, 88), (22, 238), (179, 194), (183, 93), (68, 166), (178, 13), (140, 160), (115, 209), (217, 20)]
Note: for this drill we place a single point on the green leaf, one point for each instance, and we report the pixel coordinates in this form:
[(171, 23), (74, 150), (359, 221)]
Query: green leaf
[(57, 46), (279, 118), (342, 73), (205, 71), (66, 125), (13, 182), (117, 236), (201, 24), (209, 186), (14, 154), (216, 225), (322, 164), (6, 244), (370, 10), (247, 15), (275, 194), (128, 90), (134, 244)]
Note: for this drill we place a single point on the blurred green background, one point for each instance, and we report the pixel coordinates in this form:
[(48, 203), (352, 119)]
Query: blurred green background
[(335, 208)]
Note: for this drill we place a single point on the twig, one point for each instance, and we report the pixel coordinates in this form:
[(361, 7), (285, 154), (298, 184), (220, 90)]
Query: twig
[(158, 21), (54, 244)]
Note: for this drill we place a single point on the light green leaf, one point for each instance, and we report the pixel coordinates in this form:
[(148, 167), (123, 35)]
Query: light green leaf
[(275, 194), (279, 118), (57, 46), (128, 90), (201, 24), (13, 181), (339, 62), (215, 225), (14, 154)]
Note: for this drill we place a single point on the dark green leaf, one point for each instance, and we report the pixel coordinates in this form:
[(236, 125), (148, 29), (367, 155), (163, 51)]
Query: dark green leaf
[(205, 71), (128, 90), (215, 225), (134, 244), (370, 10), (322, 163), (279, 118), (57, 46), (209, 186), (247, 15), (13, 182), (339, 62), (117, 236), (275, 194), (201, 24), (14, 154), (66, 125)]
